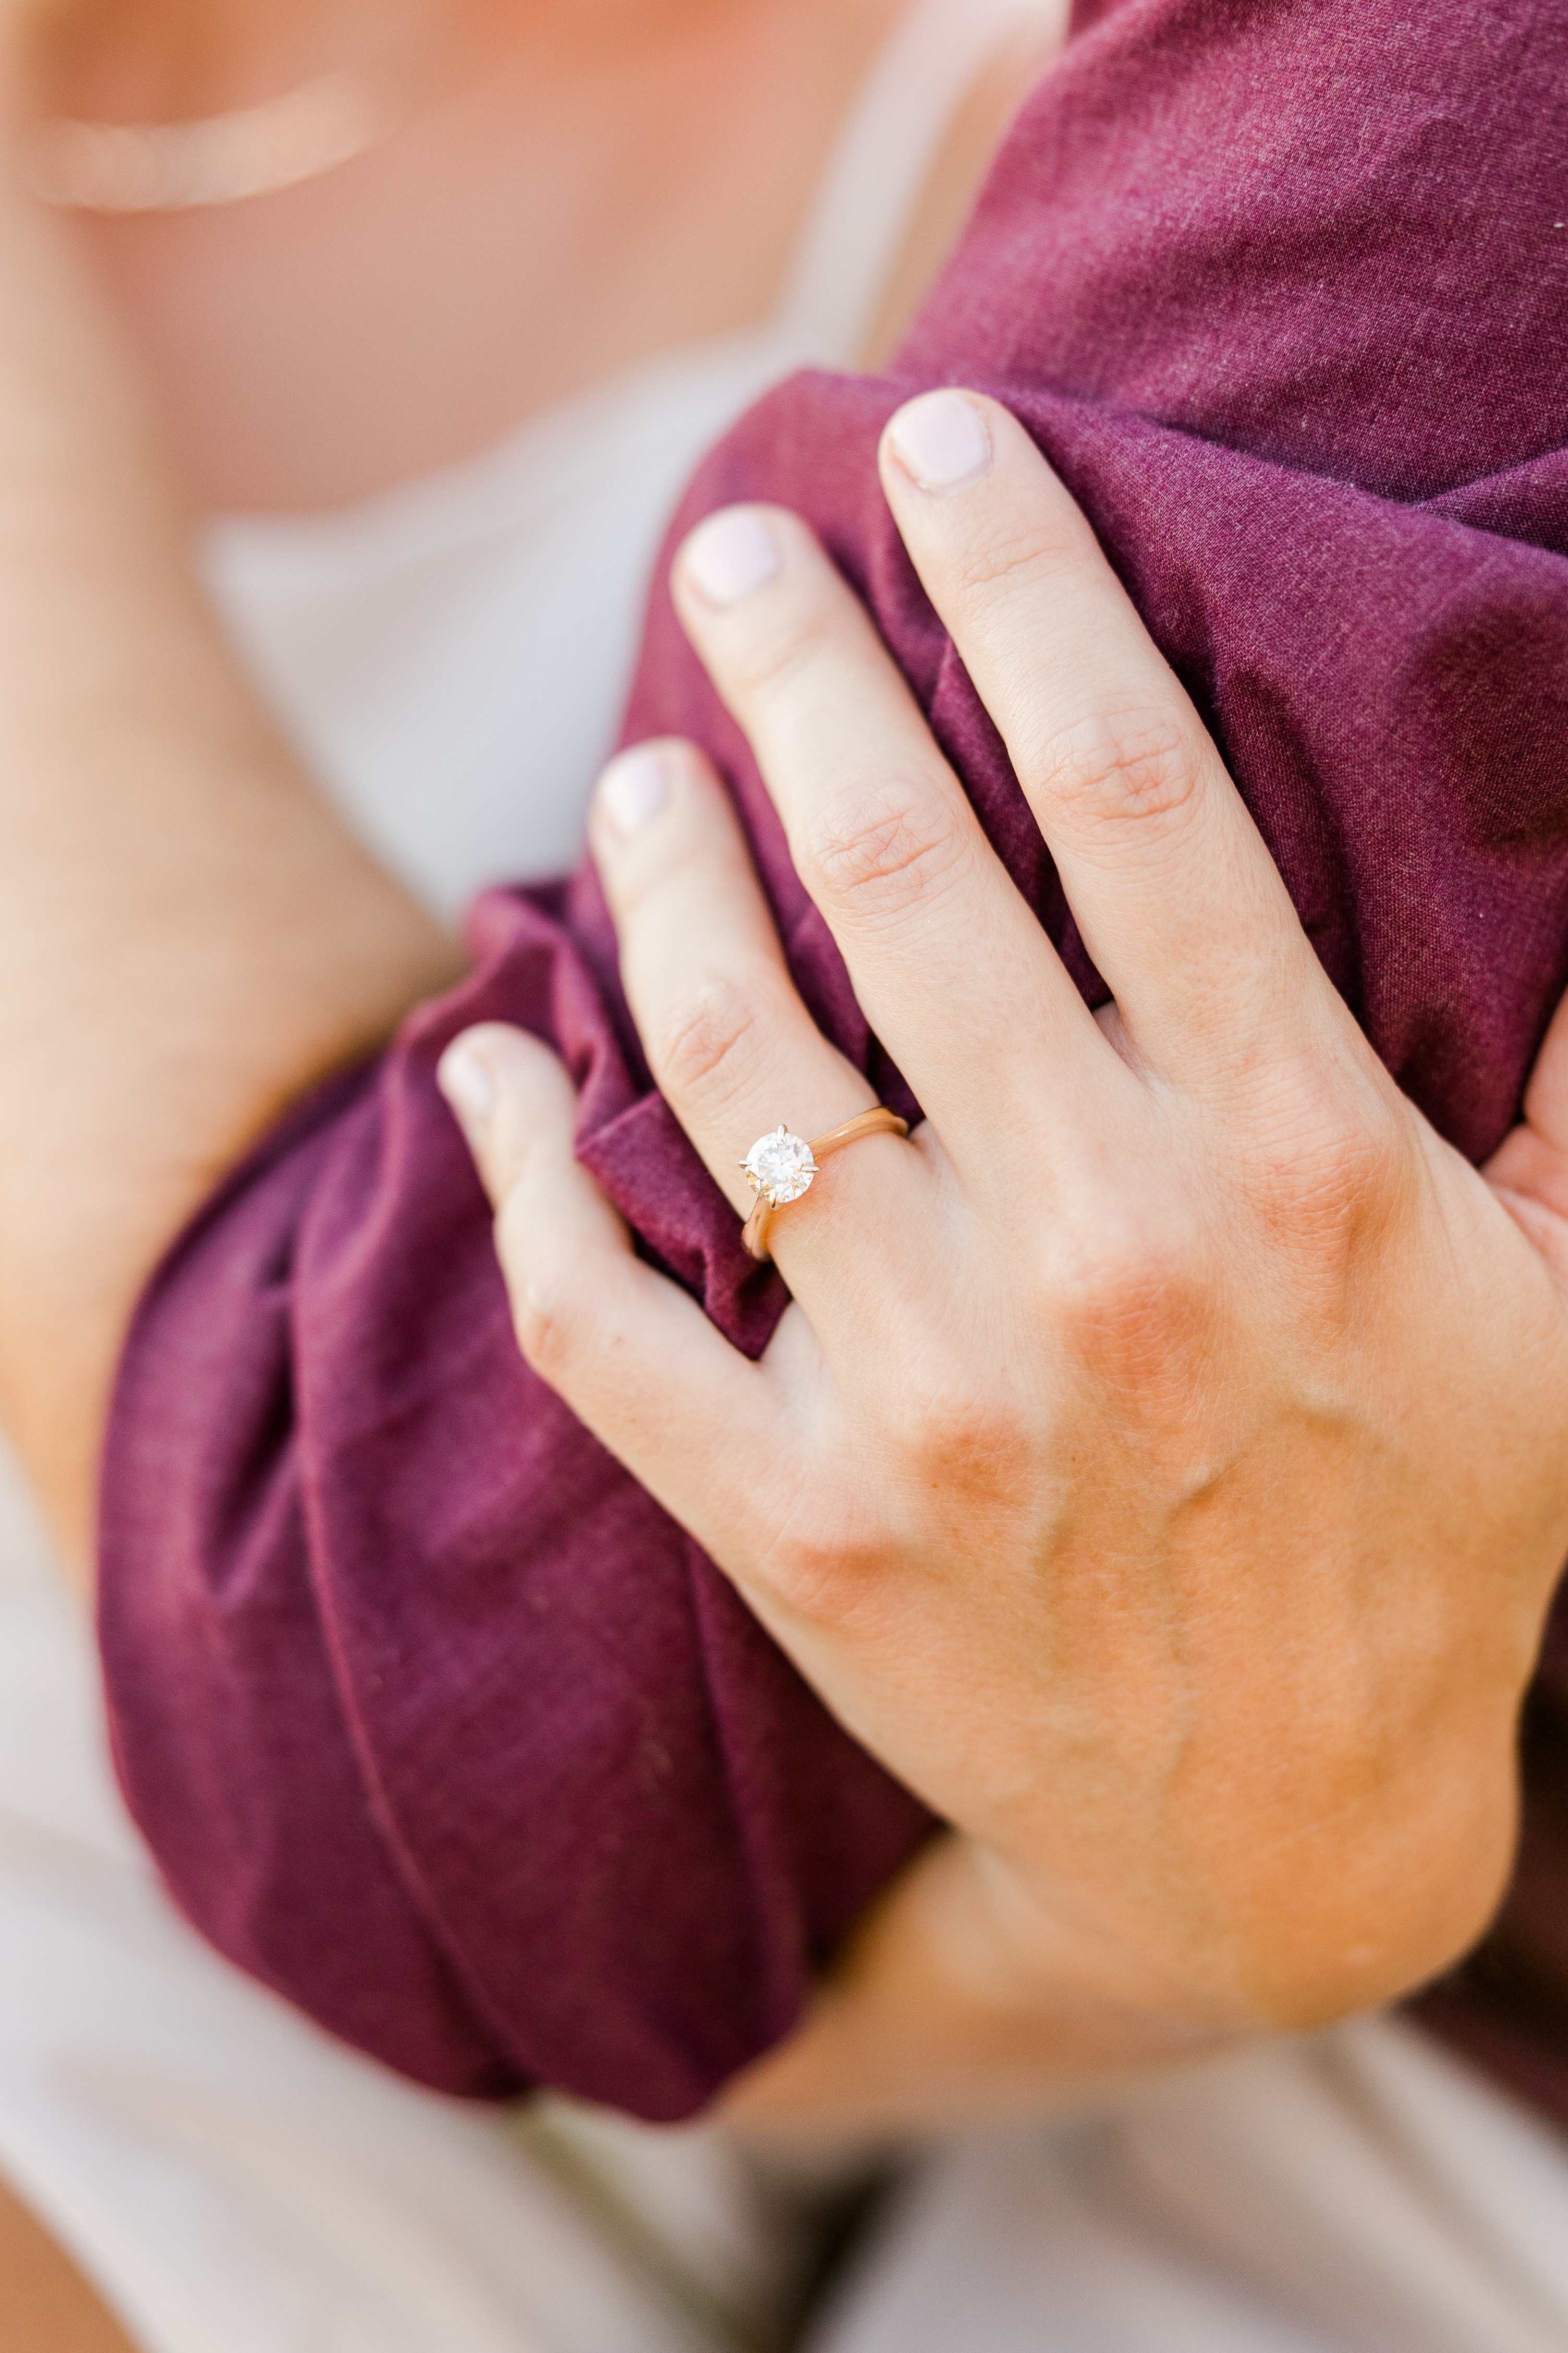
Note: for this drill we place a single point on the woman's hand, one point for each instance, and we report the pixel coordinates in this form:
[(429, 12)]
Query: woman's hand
[(1162, 1465)]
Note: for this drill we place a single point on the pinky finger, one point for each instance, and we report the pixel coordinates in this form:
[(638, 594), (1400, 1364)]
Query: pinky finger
[(514, 1102), (635, 1359)]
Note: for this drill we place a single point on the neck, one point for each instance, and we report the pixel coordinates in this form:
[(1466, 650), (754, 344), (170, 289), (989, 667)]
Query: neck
[(159, 60)]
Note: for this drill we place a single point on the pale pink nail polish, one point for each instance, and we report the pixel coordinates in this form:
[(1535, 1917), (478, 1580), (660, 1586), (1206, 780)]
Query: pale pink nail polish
[(942, 441), (466, 1082), (633, 788), (730, 555)]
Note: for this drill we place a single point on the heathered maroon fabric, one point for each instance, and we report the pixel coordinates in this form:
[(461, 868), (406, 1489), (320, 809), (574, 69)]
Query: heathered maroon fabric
[(432, 1718)]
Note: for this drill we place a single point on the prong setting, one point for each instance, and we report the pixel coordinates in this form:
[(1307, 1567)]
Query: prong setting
[(780, 1166)]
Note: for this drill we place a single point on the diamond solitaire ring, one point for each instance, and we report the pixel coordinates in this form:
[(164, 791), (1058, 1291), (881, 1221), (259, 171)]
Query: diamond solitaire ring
[(780, 1166)]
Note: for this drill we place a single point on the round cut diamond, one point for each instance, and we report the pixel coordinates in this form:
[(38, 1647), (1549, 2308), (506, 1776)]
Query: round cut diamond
[(780, 1165)]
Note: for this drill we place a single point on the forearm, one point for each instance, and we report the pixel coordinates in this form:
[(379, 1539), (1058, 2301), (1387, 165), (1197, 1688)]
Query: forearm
[(955, 2005), (187, 936)]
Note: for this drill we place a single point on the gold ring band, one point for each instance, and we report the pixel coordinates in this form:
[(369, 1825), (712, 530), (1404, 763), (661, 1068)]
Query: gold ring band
[(780, 1166)]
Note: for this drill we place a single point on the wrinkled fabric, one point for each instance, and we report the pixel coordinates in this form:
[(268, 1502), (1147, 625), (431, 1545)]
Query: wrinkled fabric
[(432, 1718)]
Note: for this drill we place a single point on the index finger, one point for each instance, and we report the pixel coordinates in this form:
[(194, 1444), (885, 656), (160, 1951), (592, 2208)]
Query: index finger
[(1173, 890)]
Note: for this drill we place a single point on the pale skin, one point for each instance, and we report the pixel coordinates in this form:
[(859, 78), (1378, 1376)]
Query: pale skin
[(1160, 1465), (584, 183), (144, 1054), (188, 937)]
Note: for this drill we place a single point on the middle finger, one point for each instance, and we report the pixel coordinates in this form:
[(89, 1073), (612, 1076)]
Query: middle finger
[(884, 839)]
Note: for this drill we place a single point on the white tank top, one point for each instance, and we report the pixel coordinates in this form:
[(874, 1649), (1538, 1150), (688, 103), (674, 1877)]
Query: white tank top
[(450, 658)]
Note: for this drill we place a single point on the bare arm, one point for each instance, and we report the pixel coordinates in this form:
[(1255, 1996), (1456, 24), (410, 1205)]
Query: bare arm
[(956, 2004), (188, 937)]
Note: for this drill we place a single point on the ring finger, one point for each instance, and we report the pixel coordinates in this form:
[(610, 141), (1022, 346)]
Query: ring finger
[(730, 1044)]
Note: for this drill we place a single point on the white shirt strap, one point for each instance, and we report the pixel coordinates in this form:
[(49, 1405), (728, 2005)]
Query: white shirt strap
[(883, 158)]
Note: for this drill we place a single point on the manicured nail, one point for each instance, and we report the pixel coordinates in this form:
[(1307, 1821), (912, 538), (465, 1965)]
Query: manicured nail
[(729, 555), (634, 789), (941, 440), (465, 1080)]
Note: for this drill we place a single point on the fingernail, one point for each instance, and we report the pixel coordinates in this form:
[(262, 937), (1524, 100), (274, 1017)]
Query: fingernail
[(941, 440), (466, 1082), (634, 787), (730, 555)]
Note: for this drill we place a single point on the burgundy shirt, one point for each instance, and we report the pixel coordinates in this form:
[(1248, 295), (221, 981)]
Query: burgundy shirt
[(433, 1719)]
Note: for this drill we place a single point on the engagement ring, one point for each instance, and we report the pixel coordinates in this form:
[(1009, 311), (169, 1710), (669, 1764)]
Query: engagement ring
[(781, 1167)]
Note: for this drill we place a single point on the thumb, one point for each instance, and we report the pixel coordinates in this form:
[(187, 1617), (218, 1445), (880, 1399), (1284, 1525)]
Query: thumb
[(1529, 1171)]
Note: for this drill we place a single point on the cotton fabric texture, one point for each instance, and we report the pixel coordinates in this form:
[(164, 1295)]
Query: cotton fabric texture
[(433, 1719)]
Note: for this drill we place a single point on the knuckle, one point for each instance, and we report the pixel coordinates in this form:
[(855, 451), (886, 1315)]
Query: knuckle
[(1012, 550), (706, 1040), (1121, 1294), (1334, 1167), (768, 662), (547, 1305), (967, 1438), (883, 848), (828, 1563), (1115, 765)]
